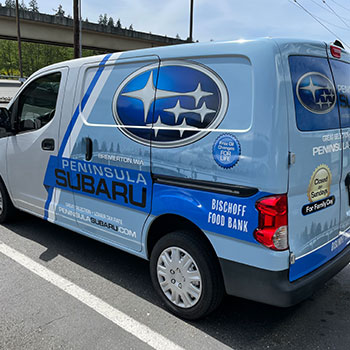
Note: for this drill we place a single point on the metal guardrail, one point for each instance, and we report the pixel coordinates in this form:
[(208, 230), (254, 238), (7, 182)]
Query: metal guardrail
[(13, 77), (9, 84), (5, 99)]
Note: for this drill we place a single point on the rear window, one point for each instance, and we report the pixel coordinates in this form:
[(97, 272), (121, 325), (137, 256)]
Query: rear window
[(314, 93), (341, 72)]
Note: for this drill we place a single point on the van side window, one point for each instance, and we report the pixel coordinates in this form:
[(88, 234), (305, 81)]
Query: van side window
[(37, 102)]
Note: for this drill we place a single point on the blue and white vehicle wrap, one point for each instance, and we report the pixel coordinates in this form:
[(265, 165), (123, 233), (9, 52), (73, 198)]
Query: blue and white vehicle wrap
[(205, 137), (132, 109)]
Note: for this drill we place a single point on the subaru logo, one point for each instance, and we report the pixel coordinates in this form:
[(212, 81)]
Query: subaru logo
[(316, 93), (189, 102)]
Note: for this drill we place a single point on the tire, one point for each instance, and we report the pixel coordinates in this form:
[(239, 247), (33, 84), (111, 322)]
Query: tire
[(186, 275), (7, 210)]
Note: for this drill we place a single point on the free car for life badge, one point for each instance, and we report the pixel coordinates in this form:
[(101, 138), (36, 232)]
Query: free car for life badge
[(319, 190)]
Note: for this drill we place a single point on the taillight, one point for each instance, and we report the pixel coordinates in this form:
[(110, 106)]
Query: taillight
[(335, 51), (273, 222)]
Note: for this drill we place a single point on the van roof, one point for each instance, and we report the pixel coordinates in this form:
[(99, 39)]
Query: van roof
[(193, 49)]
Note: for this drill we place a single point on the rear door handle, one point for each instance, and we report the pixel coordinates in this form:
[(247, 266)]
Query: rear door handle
[(347, 184), (48, 144), (88, 149)]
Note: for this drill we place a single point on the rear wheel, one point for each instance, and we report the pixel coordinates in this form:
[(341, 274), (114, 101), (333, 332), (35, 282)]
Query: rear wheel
[(186, 275), (7, 210)]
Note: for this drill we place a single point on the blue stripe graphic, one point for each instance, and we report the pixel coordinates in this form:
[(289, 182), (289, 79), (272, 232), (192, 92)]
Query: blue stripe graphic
[(81, 107), (68, 131)]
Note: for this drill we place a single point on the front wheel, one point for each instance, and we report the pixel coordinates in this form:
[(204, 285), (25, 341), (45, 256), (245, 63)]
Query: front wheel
[(186, 275)]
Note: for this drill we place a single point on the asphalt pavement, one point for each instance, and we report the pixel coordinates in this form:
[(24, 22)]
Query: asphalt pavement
[(38, 313)]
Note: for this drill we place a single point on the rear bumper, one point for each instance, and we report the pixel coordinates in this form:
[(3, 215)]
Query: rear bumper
[(273, 287)]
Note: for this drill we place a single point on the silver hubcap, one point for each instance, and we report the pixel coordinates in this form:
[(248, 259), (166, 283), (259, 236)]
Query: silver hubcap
[(179, 277), (1, 204)]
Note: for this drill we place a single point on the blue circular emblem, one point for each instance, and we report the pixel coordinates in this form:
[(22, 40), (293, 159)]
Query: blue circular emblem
[(226, 151), (316, 93), (171, 106)]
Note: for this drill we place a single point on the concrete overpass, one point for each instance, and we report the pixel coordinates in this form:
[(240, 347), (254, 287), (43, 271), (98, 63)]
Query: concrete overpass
[(56, 30)]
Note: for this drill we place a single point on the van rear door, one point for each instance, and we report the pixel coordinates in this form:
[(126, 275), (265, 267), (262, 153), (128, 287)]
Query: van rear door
[(314, 199), (341, 73)]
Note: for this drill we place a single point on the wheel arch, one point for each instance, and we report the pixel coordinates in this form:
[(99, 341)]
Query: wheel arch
[(4, 184), (167, 223), (6, 188)]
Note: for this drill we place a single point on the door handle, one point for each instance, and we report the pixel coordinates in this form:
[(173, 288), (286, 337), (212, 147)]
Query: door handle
[(48, 144), (88, 150), (347, 184)]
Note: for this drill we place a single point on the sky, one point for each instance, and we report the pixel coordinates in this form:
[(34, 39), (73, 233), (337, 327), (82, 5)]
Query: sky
[(221, 20)]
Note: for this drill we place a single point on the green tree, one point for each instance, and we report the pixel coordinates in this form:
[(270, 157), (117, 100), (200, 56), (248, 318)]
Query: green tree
[(10, 4), (59, 12), (131, 27), (23, 6), (33, 6), (110, 22), (103, 19), (118, 24), (35, 56), (8, 57)]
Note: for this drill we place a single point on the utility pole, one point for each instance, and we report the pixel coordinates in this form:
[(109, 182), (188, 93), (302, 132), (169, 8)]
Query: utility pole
[(190, 38), (19, 40), (77, 28)]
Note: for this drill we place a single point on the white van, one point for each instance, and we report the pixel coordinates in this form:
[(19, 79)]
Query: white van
[(227, 165)]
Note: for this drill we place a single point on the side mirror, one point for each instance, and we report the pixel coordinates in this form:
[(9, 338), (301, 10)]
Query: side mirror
[(26, 125), (5, 122)]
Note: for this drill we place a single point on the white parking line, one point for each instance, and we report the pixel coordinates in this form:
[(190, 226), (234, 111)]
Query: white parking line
[(127, 323)]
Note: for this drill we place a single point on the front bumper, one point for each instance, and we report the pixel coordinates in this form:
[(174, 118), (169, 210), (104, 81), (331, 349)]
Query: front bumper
[(274, 287)]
